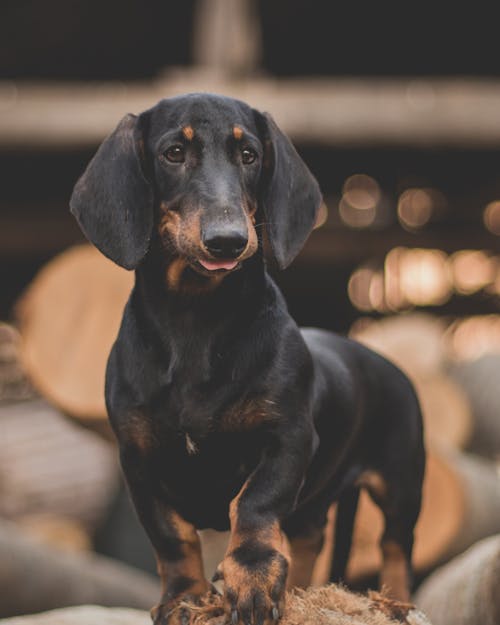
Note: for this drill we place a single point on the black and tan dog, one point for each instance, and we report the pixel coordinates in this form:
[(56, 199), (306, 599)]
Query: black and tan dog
[(227, 415)]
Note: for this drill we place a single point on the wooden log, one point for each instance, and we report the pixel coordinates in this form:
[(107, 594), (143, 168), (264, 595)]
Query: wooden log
[(413, 341), (14, 385), (56, 531), (34, 577), (330, 605), (69, 317), (83, 615), (336, 111), (446, 410), (465, 590), (45, 459), (479, 381)]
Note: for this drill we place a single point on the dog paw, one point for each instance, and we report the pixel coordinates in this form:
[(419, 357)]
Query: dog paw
[(170, 614), (179, 611), (254, 585)]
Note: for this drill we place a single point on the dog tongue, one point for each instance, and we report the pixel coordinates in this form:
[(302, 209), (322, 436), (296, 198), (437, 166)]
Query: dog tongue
[(221, 264)]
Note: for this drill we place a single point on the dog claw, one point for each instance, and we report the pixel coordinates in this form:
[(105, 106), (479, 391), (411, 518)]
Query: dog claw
[(275, 614), (217, 576), (234, 617), (214, 590)]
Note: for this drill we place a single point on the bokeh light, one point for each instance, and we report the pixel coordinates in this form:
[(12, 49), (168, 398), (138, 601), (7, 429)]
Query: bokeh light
[(472, 270), (360, 198), (424, 277), (416, 206), (491, 217), (359, 286)]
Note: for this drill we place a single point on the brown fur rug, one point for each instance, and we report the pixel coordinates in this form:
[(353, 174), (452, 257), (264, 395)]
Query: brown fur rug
[(325, 605)]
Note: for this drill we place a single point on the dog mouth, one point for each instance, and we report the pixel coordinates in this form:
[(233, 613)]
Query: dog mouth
[(215, 267)]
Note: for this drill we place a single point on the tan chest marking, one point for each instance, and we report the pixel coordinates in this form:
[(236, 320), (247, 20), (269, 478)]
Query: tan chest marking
[(249, 414), (137, 430)]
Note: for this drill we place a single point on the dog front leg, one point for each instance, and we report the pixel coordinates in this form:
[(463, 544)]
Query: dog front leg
[(255, 567), (175, 541)]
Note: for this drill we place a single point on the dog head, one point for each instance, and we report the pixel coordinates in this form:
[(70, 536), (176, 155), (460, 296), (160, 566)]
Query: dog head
[(203, 171)]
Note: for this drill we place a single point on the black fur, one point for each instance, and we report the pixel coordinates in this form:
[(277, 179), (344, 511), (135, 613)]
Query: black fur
[(187, 358), (113, 201)]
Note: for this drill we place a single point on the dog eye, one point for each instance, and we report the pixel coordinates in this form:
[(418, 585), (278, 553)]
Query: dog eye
[(248, 156), (174, 154)]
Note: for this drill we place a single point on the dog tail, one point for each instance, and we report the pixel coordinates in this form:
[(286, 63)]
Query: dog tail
[(344, 523)]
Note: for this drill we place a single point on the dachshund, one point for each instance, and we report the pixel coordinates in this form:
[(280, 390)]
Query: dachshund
[(227, 415)]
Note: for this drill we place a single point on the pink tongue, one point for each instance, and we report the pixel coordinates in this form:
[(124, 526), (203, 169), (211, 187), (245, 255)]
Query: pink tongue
[(222, 264)]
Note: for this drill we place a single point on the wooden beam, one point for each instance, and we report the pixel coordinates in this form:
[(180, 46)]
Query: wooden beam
[(405, 112)]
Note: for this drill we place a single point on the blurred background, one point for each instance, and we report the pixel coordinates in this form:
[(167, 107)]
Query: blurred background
[(396, 112)]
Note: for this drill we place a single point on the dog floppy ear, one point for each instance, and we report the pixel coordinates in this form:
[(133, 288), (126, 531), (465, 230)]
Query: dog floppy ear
[(112, 201), (290, 197)]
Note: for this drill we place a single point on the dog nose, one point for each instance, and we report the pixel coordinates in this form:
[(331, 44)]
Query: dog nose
[(228, 245)]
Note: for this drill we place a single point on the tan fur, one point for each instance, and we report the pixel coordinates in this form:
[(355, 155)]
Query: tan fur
[(243, 582), (181, 237), (394, 573), (174, 273), (270, 535), (253, 243), (137, 431), (188, 132), (170, 223), (190, 566), (237, 133), (374, 484), (248, 414)]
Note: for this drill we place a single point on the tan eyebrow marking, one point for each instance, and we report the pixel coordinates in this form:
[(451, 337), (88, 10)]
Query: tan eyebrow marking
[(237, 133), (188, 132)]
